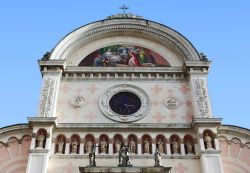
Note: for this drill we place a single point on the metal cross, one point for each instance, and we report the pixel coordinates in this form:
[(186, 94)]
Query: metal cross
[(124, 8)]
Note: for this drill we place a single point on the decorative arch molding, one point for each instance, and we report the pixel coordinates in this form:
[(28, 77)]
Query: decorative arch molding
[(96, 29)]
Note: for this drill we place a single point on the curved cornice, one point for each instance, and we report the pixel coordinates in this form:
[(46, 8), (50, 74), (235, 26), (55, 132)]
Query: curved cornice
[(230, 129), (117, 25), (16, 127)]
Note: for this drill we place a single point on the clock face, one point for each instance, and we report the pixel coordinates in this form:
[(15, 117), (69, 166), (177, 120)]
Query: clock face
[(125, 103)]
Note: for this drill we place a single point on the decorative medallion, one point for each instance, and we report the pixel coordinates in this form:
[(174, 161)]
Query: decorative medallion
[(77, 101), (171, 103), (125, 103)]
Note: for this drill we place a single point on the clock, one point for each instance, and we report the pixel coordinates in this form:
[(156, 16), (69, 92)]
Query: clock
[(125, 103)]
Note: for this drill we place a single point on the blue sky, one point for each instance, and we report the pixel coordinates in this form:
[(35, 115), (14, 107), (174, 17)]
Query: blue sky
[(220, 29)]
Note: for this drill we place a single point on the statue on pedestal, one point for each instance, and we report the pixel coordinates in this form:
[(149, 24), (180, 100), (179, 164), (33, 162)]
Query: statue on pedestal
[(117, 146), (160, 146), (124, 157), (60, 146), (132, 146), (157, 157), (74, 146), (146, 146), (40, 140), (189, 147), (175, 146), (208, 141), (103, 146), (89, 146)]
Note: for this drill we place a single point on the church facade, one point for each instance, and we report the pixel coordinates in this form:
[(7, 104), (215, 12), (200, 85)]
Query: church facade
[(124, 82)]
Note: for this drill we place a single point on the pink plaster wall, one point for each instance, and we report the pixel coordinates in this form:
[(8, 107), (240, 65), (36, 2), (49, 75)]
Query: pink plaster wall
[(235, 157), (14, 156)]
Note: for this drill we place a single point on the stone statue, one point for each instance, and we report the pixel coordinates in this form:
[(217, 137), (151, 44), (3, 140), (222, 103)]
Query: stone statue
[(208, 141), (46, 56), (40, 140), (189, 147), (117, 146), (74, 146), (132, 146), (160, 146), (146, 146), (103, 146), (89, 146), (157, 157), (124, 157), (60, 146), (175, 146), (92, 162)]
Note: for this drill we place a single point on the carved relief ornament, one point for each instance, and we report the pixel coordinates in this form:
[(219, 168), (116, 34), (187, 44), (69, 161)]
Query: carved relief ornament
[(201, 96), (47, 97)]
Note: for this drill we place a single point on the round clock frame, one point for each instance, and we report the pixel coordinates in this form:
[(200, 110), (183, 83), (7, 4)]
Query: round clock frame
[(139, 113)]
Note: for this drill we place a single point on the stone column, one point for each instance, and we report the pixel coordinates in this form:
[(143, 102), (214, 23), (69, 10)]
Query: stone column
[(67, 148), (182, 149), (110, 148), (81, 149), (168, 149), (139, 149), (153, 147)]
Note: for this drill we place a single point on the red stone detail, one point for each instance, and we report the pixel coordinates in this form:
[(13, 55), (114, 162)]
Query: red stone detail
[(156, 89), (173, 115), (155, 102), (181, 168), (158, 117), (188, 117), (65, 88), (90, 117), (184, 89), (92, 88), (188, 103)]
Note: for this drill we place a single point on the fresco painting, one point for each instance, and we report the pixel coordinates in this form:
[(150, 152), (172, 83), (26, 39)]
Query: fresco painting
[(124, 55)]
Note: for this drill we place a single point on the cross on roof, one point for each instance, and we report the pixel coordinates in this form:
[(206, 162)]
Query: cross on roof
[(124, 8)]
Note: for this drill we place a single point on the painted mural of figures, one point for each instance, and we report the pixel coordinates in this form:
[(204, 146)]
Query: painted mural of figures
[(133, 61), (60, 146), (208, 141), (146, 146), (74, 146), (88, 146), (40, 140), (160, 146), (103, 146), (132, 146), (175, 146), (124, 55)]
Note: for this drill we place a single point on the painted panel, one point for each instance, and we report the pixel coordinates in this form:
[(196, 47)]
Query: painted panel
[(123, 56)]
